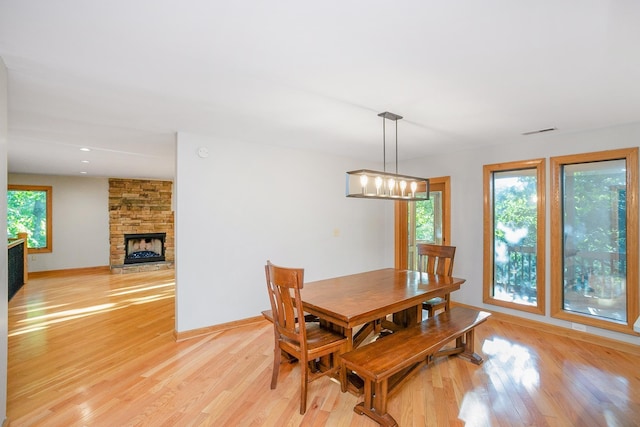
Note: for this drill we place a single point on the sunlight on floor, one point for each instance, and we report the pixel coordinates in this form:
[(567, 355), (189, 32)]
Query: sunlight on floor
[(473, 410), (515, 359), (41, 322), (35, 307), (68, 313), (150, 298), (504, 358), (142, 288), (40, 316)]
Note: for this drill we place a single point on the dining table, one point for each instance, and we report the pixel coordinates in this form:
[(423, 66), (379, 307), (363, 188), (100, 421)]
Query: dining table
[(357, 302)]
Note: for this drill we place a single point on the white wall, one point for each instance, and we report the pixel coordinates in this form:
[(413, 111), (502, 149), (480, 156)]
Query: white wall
[(465, 169), (246, 203), (80, 221), (4, 127)]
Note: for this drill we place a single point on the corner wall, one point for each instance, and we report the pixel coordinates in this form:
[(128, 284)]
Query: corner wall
[(4, 130)]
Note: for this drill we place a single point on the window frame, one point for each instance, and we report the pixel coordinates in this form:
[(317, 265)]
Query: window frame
[(441, 183), (49, 194), (488, 234), (630, 155)]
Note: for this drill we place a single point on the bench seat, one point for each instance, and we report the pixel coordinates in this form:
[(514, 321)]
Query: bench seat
[(387, 363)]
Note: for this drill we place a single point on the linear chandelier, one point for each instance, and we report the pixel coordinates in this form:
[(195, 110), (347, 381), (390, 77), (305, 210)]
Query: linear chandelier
[(370, 184)]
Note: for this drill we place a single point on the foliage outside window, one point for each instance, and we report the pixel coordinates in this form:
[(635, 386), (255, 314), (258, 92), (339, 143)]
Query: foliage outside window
[(29, 211), (514, 227), (595, 231), (424, 214), (422, 222), (425, 219)]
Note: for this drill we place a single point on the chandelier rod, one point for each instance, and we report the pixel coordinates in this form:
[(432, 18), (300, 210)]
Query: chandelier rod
[(388, 116), (384, 145), (396, 147)]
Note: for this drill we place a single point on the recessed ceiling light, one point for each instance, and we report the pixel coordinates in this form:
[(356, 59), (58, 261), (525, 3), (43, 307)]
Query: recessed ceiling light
[(85, 149), (533, 132), (84, 161), (83, 172)]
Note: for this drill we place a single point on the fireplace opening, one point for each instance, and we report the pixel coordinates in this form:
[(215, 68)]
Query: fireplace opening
[(146, 247)]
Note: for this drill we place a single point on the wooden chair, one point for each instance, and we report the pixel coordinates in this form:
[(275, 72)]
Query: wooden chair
[(436, 259), (316, 348)]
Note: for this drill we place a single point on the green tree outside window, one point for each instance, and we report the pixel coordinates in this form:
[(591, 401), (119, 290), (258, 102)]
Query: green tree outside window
[(29, 211)]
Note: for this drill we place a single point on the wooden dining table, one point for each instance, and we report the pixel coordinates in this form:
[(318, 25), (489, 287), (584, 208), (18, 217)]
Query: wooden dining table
[(360, 300)]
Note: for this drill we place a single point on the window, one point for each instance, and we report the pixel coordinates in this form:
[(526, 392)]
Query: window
[(594, 224), (29, 211), (514, 227), (422, 222)]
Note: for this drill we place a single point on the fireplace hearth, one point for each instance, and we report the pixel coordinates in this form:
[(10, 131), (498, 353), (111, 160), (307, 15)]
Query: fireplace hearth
[(144, 247)]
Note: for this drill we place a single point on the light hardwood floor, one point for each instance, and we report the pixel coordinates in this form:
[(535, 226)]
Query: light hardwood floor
[(96, 349)]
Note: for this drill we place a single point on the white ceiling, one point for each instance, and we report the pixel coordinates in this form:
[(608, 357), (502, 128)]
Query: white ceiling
[(122, 76)]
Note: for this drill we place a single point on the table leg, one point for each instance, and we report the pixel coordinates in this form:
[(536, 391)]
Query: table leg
[(408, 317), (348, 333)]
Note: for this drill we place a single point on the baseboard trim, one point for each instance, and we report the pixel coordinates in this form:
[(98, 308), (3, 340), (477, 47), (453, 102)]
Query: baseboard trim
[(564, 332), (194, 333), (70, 271)]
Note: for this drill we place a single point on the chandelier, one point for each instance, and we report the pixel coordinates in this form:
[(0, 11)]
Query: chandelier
[(370, 184)]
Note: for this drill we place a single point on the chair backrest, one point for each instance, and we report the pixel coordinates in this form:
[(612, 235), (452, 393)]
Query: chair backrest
[(284, 286), (436, 259)]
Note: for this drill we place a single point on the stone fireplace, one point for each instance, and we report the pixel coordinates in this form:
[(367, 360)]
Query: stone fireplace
[(141, 234)]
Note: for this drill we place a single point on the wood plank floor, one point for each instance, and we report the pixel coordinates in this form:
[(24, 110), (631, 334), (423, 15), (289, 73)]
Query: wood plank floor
[(96, 349)]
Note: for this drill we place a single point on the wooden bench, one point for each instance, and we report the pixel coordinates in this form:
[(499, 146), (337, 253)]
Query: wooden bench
[(387, 363)]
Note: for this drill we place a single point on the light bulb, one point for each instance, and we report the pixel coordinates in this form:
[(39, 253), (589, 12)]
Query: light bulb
[(414, 187), (378, 184), (403, 185), (363, 181), (391, 183)]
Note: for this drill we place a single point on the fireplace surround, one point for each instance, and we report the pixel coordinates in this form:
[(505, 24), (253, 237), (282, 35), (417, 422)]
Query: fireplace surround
[(140, 209)]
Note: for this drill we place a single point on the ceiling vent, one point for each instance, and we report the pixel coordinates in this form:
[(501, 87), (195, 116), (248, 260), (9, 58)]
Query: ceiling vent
[(533, 132)]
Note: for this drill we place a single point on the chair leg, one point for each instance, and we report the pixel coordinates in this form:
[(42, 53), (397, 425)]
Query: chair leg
[(304, 380), (277, 353)]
